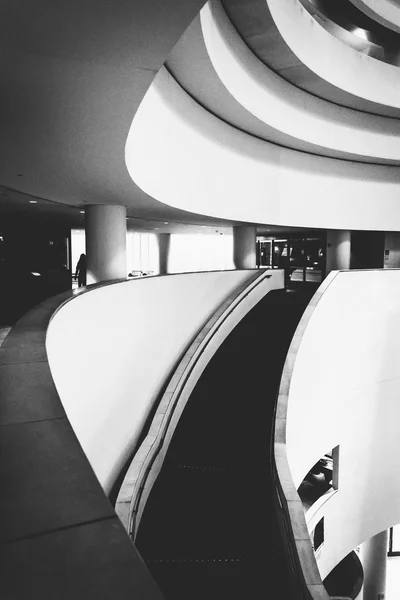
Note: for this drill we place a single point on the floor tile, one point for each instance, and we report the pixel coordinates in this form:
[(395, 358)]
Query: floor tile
[(96, 561), (46, 480), (27, 393)]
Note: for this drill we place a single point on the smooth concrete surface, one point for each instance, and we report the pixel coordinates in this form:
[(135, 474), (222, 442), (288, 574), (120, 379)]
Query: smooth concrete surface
[(59, 535), (120, 344), (338, 250), (244, 247), (287, 108), (290, 500), (105, 227), (349, 337), (247, 179), (373, 556), (337, 63)]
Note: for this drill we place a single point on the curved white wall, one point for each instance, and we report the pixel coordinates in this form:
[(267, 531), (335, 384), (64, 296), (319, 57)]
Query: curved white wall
[(385, 12), (334, 61), (287, 108), (345, 389), (110, 350), (206, 166)]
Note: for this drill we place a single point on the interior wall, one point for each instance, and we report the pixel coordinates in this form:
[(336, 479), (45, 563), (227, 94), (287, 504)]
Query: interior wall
[(345, 390), (111, 349)]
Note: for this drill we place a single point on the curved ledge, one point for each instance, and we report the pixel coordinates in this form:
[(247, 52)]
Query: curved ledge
[(289, 500), (148, 461), (172, 135), (59, 533), (364, 380), (335, 62), (288, 109), (317, 510), (385, 12)]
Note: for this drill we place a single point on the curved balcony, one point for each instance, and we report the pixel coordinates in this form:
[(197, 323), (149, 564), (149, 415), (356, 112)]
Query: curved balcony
[(243, 178), (352, 344), (337, 63), (288, 109)]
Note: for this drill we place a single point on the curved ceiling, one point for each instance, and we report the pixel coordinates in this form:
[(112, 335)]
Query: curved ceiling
[(385, 12), (255, 24), (205, 165), (336, 62), (72, 76), (318, 125)]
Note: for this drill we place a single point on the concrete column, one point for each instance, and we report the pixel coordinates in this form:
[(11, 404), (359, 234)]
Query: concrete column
[(338, 246), (163, 241), (244, 247), (373, 556), (105, 242)]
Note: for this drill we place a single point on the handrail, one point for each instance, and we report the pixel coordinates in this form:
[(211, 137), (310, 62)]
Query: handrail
[(298, 547), (147, 462)]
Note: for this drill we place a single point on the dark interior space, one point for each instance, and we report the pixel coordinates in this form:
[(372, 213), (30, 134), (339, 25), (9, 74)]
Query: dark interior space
[(209, 528), (34, 265)]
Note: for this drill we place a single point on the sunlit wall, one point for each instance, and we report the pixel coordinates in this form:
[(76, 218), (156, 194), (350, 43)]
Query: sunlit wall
[(200, 252), (188, 252)]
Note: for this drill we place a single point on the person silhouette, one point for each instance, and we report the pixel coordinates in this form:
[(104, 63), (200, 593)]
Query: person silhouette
[(80, 271)]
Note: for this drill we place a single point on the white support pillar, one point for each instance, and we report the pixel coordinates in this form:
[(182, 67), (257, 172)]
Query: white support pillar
[(244, 247), (373, 556), (105, 242), (338, 246), (163, 241)]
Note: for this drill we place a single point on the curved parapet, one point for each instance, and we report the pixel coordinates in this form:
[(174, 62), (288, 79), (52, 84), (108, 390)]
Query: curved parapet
[(337, 63), (247, 179), (340, 388), (120, 343), (289, 109), (385, 12), (60, 537), (149, 459)]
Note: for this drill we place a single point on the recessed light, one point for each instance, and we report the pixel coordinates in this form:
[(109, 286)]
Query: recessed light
[(82, 212), (32, 201), (166, 222)]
